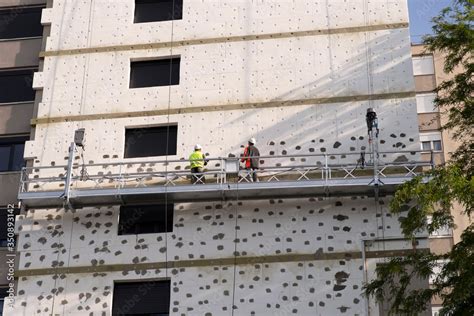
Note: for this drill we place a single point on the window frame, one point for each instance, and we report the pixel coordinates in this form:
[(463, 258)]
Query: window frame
[(168, 219), (432, 146), (27, 8), (442, 232), (169, 59), (440, 145), (421, 103), (421, 63), (12, 71), (177, 3), (426, 143), (431, 138), (168, 152), (144, 282), (11, 142)]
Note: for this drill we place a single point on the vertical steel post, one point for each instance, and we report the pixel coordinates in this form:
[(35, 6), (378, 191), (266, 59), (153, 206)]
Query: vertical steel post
[(326, 169), (373, 131), (432, 162), (70, 162), (365, 277), (223, 172), (23, 175), (375, 154)]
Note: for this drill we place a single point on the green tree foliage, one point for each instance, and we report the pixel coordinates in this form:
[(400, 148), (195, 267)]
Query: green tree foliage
[(453, 35), (416, 200)]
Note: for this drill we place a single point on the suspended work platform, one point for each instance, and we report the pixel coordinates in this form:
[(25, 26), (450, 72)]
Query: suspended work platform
[(289, 176)]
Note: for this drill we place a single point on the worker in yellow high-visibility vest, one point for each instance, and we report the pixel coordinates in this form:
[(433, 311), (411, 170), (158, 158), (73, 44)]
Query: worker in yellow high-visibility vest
[(197, 160)]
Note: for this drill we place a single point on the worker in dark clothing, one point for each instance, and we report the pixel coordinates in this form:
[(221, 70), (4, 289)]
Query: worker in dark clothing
[(251, 159)]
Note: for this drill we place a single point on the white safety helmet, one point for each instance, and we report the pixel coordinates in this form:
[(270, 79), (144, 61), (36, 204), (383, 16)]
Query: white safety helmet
[(197, 147), (252, 141)]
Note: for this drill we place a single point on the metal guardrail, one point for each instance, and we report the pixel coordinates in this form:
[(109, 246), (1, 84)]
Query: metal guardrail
[(322, 168)]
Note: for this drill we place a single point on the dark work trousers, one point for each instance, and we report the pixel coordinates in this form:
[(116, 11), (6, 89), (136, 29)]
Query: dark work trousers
[(196, 173), (253, 174)]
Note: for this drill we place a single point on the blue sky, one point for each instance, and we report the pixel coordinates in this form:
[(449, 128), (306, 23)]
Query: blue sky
[(421, 13)]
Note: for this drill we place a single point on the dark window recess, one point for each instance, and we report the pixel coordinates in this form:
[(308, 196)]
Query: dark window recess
[(3, 227), (150, 142), (426, 145), (154, 73), (3, 294), (147, 219), (158, 10), (20, 22), (150, 298), (17, 86), (437, 145), (416, 284), (11, 153)]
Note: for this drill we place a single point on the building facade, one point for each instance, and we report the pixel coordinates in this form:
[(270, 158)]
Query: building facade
[(149, 80), (20, 43), (429, 73)]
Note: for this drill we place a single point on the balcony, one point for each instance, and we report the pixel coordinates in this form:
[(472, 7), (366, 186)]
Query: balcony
[(155, 181)]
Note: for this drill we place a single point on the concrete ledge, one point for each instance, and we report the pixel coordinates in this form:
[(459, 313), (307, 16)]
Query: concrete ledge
[(38, 80), (219, 108), (237, 260), (217, 40), (47, 16)]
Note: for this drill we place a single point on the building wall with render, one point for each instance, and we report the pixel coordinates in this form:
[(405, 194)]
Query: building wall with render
[(302, 86), (266, 229), (437, 120), (15, 54), (443, 242)]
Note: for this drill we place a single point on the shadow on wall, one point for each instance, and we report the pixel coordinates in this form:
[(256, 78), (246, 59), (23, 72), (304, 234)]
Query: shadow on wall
[(318, 128), (338, 127), (269, 227)]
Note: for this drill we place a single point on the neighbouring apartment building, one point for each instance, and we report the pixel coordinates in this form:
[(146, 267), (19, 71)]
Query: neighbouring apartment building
[(20, 43), (147, 80), (429, 73)]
